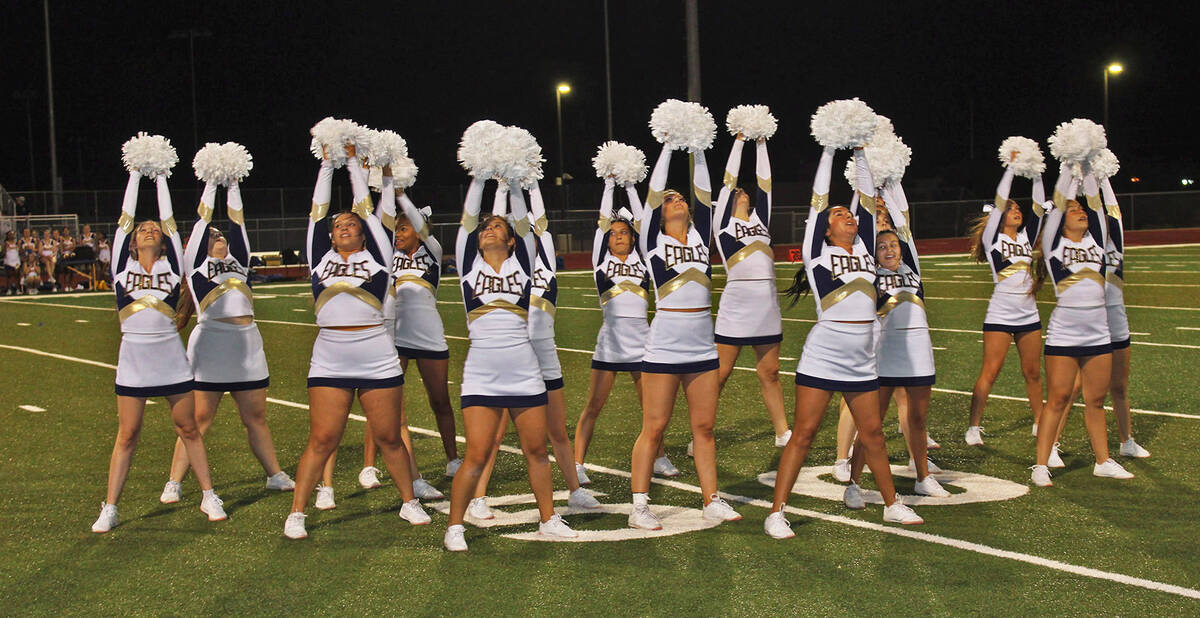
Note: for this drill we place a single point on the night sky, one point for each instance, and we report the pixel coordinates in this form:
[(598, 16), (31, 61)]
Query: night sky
[(428, 69)]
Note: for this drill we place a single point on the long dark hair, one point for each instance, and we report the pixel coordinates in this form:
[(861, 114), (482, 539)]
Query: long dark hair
[(800, 287)]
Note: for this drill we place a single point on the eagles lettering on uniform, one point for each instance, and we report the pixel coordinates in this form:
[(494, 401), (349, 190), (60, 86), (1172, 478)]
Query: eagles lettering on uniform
[(614, 268), (893, 281), (1073, 264), (358, 270), (162, 282), (842, 264), (673, 255), (484, 283), (741, 231), (1008, 249), (215, 268), (1077, 255)]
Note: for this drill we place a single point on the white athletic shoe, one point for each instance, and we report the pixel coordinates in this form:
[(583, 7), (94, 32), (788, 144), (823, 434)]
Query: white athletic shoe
[(582, 499), (900, 513), (368, 478), (930, 487), (974, 436), (1111, 469), (1041, 476), (412, 513), (664, 467), (1035, 430), (853, 498), (107, 520), (172, 492), (556, 527), (452, 467), (781, 441), (1130, 448), (933, 468), (280, 481), (691, 449), (478, 508), (930, 443), (841, 470), (581, 472), (211, 505), (454, 540), (719, 510), (1055, 460), (777, 527), (325, 498), (424, 491), (641, 517), (293, 527)]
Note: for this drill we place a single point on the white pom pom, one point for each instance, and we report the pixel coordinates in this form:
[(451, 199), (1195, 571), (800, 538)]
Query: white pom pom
[(475, 151), (754, 122), (1077, 140), (1104, 163), (520, 157), (404, 172), (683, 125), (386, 147), (1030, 161), (887, 155), (846, 123), (151, 155), (332, 135), (623, 162), (222, 164)]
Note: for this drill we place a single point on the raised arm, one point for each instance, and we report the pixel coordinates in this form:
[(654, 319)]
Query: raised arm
[(1034, 223), (120, 241), (239, 242), (545, 240), (192, 255), (1097, 220), (635, 204), (526, 247), (652, 213), (465, 246), (702, 216), (897, 205), (1116, 224), (722, 210), (818, 220), (604, 223), (166, 215), (865, 185), (762, 169), (318, 242), (386, 210), (416, 218), (378, 241)]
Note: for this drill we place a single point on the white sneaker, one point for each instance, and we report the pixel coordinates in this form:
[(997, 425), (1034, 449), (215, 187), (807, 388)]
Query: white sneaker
[(172, 492), (691, 451), (930, 443), (454, 540), (1055, 460), (107, 520), (933, 468), (424, 491), (478, 508), (412, 512), (582, 499), (719, 510), (211, 505), (781, 441), (368, 478), (1111, 469), (1130, 448), (664, 467), (777, 527), (930, 487), (1041, 476), (556, 527), (581, 473), (1035, 430), (325, 498), (293, 527), (974, 436), (641, 517), (841, 470), (280, 481), (452, 467), (900, 513), (853, 498)]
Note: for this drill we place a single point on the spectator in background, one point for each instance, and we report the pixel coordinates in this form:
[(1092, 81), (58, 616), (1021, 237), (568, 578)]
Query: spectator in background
[(103, 255), (19, 208), (12, 263), (48, 255), (87, 238)]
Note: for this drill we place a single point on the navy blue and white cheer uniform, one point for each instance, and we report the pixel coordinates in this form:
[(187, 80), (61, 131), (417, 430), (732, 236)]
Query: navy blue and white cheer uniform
[(623, 287), (1079, 324), (905, 353), (1114, 277), (1012, 308)]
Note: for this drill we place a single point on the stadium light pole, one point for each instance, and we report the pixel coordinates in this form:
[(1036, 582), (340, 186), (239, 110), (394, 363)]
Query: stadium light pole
[(1113, 69), (559, 91), (190, 34), (55, 180)]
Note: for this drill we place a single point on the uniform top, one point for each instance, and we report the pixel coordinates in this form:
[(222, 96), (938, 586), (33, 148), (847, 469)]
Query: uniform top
[(220, 288), (66, 246), (1011, 258), (623, 286), (87, 239), (136, 288), (12, 254), (1114, 248), (104, 254), (843, 281), (900, 295), (1076, 267), (496, 301), (49, 247), (415, 277), (745, 244), (29, 245), (682, 272), (347, 291)]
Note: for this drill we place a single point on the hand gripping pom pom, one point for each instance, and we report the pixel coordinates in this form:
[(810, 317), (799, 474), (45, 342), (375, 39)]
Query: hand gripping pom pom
[(1030, 161), (333, 135), (1076, 141), (1104, 163), (887, 155), (222, 164), (754, 122), (520, 157), (150, 155), (386, 148), (846, 123), (683, 125), (476, 152), (625, 163)]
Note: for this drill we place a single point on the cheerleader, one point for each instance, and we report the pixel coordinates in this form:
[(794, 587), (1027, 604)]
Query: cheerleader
[(29, 244), (352, 352), (839, 352), (12, 262), (501, 370), (48, 253), (225, 349), (87, 238), (152, 362), (680, 350), (1077, 339), (1002, 238), (748, 314)]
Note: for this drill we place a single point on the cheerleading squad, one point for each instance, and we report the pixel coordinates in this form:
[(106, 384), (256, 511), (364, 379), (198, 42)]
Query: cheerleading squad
[(375, 271), (34, 263)]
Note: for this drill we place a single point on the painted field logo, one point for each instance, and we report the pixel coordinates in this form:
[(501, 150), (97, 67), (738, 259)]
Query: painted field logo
[(976, 487), (675, 519)]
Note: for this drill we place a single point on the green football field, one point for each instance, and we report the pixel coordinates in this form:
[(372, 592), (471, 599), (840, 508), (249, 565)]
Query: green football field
[(1086, 546)]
